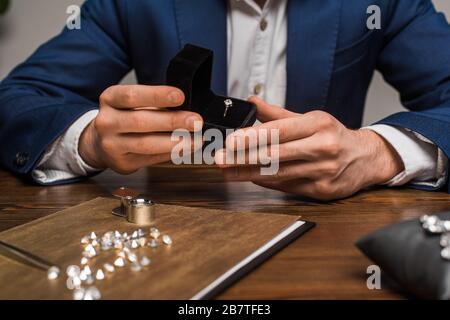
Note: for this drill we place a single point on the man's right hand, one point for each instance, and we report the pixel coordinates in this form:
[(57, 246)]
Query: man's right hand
[(133, 127)]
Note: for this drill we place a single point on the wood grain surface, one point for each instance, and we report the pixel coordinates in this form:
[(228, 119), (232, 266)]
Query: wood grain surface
[(206, 244), (322, 264)]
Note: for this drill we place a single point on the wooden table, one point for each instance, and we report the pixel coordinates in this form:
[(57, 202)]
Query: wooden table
[(323, 264)]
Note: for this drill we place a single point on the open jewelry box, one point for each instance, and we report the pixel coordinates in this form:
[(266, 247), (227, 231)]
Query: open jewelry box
[(190, 70)]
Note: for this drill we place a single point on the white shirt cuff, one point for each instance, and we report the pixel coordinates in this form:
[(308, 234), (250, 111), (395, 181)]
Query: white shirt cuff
[(62, 160), (425, 164)]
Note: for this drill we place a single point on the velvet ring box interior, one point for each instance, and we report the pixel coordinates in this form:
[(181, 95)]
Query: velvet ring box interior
[(190, 70)]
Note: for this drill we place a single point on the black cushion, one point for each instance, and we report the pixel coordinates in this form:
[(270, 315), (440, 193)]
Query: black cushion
[(411, 257)]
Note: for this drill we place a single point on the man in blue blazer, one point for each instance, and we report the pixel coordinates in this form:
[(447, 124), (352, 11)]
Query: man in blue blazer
[(308, 64)]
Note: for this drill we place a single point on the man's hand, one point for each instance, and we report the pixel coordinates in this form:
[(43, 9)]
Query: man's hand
[(133, 127), (319, 157)]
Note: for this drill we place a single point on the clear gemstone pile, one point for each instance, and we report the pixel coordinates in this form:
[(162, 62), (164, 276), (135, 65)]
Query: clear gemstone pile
[(81, 279)]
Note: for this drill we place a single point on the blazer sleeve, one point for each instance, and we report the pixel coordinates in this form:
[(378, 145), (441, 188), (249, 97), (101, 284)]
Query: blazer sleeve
[(415, 59), (61, 81)]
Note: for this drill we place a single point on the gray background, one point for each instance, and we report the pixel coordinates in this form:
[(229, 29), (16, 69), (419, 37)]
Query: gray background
[(29, 23)]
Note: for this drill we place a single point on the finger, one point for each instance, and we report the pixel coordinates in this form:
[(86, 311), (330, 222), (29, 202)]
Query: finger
[(155, 121), (290, 186), (266, 112), (280, 185), (300, 187), (224, 158), (308, 149), (160, 143), (147, 160), (130, 163), (277, 131), (286, 171), (314, 189), (139, 96)]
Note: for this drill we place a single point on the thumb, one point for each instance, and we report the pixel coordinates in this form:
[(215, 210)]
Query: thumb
[(266, 112)]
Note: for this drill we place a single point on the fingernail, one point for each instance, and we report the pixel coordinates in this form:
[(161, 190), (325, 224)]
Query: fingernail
[(175, 97), (194, 122)]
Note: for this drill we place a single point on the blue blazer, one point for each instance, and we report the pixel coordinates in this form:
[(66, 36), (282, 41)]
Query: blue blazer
[(331, 58)]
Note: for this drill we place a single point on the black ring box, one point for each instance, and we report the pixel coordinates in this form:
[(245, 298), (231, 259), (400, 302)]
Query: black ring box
[(190, 71)]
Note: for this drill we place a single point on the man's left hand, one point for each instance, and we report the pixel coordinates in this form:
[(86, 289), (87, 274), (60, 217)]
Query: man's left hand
[(319, 157)]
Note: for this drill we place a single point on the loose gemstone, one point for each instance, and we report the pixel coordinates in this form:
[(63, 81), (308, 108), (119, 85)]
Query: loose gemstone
[(76, 282), (78, 294), (100, 275), (53, 273), (90, 251), (135, 244), (73, 283), (69, 284), (93, 236), (424, 218), (141, 233), (145, 261), (125, 236), (154, 233), (433, 224), (142, 242), (446, 225), (108, 236), (73, 271), (94, 243), (83, 276), (135, 267), (153, 243), (132, 257), (118, 244), (119, 262), (135, 235), (127, 244), (445, 240), (87, 271), (92, 293), (90, 279), (167, 240), (445, 253), (108, 267), (432, 219), (436, 228), (106, 245), (117, 234), (122, 254), (84, 261), (85, 240)]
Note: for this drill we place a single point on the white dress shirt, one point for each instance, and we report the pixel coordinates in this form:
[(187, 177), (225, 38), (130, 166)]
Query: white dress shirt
[(257, 43)]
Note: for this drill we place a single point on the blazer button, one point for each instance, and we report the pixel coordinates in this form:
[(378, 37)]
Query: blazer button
[(21, 159), (263, 25), (258, 89)]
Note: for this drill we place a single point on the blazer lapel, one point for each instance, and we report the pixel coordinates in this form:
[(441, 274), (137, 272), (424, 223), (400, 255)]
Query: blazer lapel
[(204, 24), (312, 37)]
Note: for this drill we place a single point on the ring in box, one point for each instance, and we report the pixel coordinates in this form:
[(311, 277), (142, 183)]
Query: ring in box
[(190, 70)]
